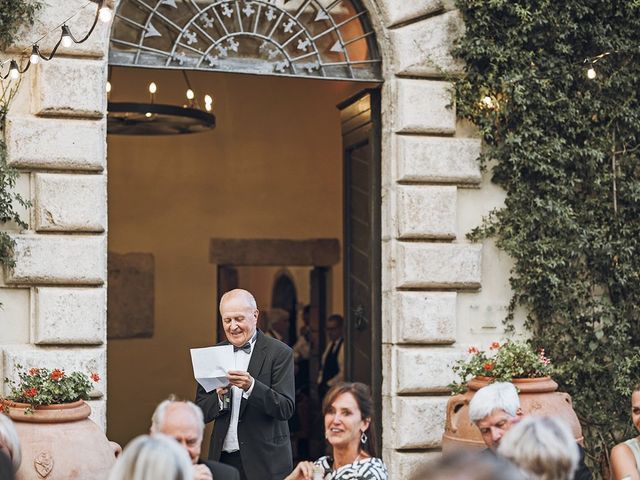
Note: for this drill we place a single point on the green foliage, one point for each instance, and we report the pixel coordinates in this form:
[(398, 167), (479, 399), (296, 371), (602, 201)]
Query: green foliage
[(502, 363), (8, 213), (566, 150), (13, 14), (41, 386)]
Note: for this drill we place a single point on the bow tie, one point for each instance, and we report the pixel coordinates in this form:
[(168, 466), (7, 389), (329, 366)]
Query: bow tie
[(246, 348)]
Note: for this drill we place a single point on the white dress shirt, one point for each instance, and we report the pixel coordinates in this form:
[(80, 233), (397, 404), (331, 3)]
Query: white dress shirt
[(231, 443)]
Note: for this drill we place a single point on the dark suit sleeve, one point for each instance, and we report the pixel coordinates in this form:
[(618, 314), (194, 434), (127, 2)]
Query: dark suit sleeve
[(208, 403), (277, 401), (582, 472)]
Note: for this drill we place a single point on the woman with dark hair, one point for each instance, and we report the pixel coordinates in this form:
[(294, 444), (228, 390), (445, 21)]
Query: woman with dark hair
[(348, 425), (625, 457)]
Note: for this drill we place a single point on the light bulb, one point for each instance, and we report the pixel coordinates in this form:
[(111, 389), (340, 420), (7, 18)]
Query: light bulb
[(66, 37), (13, 70), (104, 14), (190, 94), (35, 55), (591, 73), (108, 87), (153, 88), (207, 107), (148, 114), (208, 100), (488, 102)]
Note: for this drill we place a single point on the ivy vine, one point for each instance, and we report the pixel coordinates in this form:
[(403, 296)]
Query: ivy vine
[(566, 149), (13, 15)]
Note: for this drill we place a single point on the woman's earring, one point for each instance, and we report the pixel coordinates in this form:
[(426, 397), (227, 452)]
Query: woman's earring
[(363, 438), (326, 435)]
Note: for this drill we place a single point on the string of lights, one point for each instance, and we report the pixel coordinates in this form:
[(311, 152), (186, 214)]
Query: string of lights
[(103, 13)]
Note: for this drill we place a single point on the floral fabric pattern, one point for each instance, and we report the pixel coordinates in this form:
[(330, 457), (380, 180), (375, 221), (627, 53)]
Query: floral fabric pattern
[(365, 469)]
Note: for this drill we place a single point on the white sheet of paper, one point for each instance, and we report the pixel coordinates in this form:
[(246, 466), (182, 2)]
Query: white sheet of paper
[(211, 364)]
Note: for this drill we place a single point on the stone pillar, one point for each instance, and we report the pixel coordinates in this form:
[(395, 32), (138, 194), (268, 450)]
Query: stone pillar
[(56, 138), (426, 262)]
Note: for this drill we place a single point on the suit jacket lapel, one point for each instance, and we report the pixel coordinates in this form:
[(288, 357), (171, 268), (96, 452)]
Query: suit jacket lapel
[(255, 364)]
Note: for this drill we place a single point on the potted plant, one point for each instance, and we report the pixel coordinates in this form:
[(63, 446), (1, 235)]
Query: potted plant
[(52, 420), (517, 362)]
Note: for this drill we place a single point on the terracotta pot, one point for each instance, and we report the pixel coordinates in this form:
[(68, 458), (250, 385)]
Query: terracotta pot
[(60, 442), (538, 396)]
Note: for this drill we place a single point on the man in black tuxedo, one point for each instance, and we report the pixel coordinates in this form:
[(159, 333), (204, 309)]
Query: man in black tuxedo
[(184, 422), (250, 430), (495, 409)]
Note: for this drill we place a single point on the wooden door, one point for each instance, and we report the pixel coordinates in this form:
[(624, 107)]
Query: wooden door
[(360, 119)]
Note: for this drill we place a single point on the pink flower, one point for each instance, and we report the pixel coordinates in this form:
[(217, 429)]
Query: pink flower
[(95, 377), (473, 350), (494, 346), (34, 371), (31, 392), (488, 366), (57, 374)]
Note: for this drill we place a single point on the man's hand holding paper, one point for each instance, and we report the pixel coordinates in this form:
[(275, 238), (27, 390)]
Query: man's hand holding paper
[(211, 365)]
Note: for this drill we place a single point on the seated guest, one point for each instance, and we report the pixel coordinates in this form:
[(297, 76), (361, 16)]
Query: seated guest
[(495, 409), (184, 422), (9, 442), (542, 447), (625, 457), (156, 457), (464, 465), (348, 424)]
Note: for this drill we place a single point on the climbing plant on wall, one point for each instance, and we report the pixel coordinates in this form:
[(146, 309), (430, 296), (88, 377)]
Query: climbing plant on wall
[(13, 14), (553, 88)]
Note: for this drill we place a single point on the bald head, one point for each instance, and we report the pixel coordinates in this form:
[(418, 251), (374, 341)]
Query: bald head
[(239, 316)]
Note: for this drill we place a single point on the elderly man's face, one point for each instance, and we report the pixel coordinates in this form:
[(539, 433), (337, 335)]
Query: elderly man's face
[(181, 424), (239, 319), (494, 426)]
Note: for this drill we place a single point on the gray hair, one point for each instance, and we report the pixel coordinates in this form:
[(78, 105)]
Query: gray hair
[(156, 457), (160, 413), (466, 465), (9, 438), (543, 447), (240, 293), (495, 396)]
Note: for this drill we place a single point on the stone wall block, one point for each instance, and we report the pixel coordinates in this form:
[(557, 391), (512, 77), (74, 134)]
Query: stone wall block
[(422, 48), (404, 465), (425, 370), (425, 317), (46, 259), (395, 12), (83, 360), (424, 106), (56, 144), (427, 212), (418, 421), (438, 160), (439, 265), (68, 203), (69, 315), (69, 87), (52, 14)]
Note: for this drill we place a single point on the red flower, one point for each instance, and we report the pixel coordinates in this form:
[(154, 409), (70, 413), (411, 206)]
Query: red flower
[(34, 371), (488, 366), (57, 374), (494, 346), (31, 392), (95, 377), (473, 350)]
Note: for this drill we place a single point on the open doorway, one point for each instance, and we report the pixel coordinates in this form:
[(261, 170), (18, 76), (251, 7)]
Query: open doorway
[(272, 168)]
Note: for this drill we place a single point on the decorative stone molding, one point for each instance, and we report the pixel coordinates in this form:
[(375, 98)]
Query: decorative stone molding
[(59, 259), (438, 160), (319, 252), (427, 212), (47, 143), (424, 106), (70, 203), (69, 316), (424, 317), (414, 422), (424, 370), (395, 12)]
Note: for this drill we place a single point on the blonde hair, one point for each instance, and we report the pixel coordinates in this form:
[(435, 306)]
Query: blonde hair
[(9, 438), (156, 457), (543, 447)]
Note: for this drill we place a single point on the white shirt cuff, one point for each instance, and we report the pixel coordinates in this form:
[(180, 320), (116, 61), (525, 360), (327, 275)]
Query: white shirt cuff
[(247, 394)]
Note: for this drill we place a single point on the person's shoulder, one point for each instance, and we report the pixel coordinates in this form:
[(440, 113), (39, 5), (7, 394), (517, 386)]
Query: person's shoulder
[(221, 471)]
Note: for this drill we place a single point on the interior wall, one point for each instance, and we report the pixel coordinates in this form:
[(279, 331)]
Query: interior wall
[(272, 168)]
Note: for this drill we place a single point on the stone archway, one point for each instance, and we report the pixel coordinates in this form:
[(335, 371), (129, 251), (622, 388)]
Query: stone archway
[(56, 137)]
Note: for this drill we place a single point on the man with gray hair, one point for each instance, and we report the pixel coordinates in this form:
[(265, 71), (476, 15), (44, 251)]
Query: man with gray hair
[(184, 421), (495, 409)]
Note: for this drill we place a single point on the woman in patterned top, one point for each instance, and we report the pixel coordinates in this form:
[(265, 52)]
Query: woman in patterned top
[(625, 457), (348, 417)]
